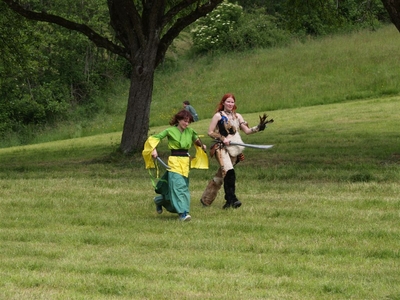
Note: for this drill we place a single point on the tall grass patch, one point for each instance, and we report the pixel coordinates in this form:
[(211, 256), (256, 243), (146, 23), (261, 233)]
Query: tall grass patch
[(330, 70)]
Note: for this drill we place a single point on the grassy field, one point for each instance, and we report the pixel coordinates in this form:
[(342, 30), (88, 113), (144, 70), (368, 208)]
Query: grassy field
[(320, 213), (319, 219)]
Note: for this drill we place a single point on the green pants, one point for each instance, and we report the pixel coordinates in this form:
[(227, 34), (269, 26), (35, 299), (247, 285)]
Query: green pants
[(175, 196)]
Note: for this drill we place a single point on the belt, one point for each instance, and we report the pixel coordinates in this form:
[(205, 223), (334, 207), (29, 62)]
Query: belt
[(179, 152)]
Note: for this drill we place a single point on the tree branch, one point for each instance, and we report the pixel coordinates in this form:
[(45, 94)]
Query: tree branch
[(183, 22), (174, 11), (96, 38)]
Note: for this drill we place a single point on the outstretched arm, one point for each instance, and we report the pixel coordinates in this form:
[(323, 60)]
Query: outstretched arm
[(260, 127)]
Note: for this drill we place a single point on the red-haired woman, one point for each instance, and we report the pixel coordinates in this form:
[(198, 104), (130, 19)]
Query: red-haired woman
[(175, 196), (224, 128)]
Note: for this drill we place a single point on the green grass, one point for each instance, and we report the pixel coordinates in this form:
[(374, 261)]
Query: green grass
[(319, 218)]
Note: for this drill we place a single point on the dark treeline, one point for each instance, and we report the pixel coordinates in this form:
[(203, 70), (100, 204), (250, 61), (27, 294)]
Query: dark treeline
[(48, 73)]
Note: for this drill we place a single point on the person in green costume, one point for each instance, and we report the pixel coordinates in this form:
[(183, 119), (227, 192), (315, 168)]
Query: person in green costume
[(173, 187)]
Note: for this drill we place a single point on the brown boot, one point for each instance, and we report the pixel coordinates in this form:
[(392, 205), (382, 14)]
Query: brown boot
[(211, 191)]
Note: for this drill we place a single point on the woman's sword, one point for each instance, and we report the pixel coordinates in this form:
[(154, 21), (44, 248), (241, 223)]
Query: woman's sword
[(252, 145), (163, 163)]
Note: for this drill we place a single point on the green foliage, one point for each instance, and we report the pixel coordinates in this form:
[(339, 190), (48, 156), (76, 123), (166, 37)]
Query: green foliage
[(228, 28), (363, 13), (322, 17), (312, 17), (50, 74), (327, 17), (256, 29), (25, 95), (210, 32), (271, 6)]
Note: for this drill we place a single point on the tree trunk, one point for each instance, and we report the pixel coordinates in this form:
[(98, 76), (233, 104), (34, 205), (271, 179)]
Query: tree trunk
[(393, 8), (145, 30), (136, 125)]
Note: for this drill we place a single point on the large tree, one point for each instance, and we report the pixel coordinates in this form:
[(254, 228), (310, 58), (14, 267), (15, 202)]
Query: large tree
[(143, 31), (393, 8)]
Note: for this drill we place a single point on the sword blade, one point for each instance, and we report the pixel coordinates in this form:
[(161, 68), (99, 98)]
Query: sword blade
[(252, 145), (163, 163)]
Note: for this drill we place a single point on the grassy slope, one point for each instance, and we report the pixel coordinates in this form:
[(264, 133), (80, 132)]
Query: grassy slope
[(319, 220), (336, 69), (331, 70)]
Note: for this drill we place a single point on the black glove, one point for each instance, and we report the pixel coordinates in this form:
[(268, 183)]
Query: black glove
[(263, 122)]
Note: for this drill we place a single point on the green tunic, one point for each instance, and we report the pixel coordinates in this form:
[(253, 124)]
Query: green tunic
[(176, 198)]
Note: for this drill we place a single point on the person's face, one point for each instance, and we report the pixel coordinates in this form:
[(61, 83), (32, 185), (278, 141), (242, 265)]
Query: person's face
[(183, 123), (229, 104)]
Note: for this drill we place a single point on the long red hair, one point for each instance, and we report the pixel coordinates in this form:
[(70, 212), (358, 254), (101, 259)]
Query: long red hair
[(220, 105)]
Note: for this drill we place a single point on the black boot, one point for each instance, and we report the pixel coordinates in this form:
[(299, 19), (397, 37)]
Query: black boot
[(226, 205), (229, 187)]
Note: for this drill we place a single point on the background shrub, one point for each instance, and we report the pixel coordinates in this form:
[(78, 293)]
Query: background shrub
[(212, 31), (256, 29), (229, 28)]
